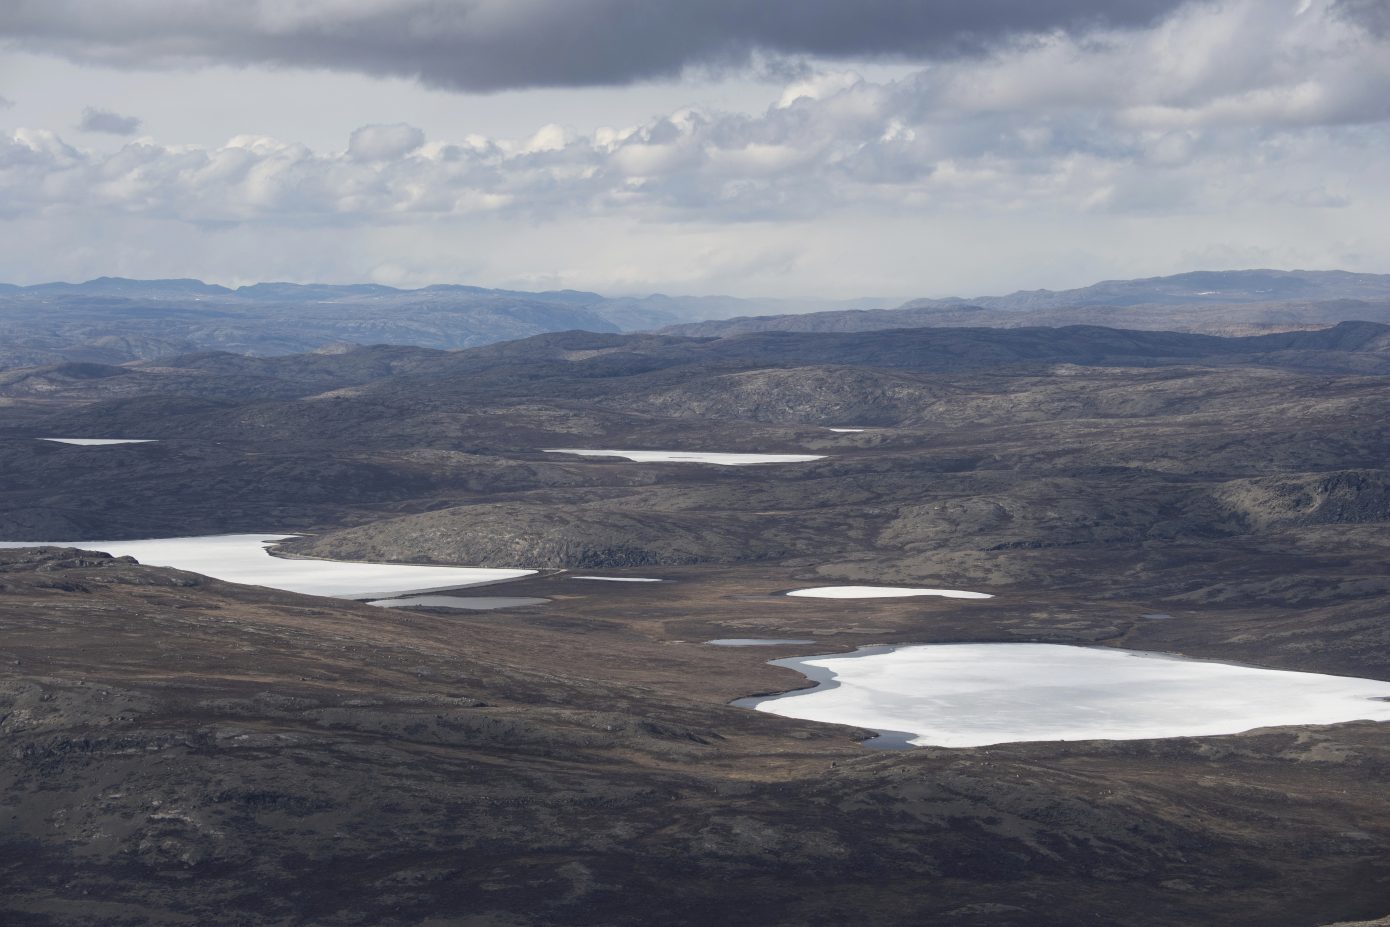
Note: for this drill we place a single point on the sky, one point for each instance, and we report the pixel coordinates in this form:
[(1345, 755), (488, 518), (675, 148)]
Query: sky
[(796, 148)]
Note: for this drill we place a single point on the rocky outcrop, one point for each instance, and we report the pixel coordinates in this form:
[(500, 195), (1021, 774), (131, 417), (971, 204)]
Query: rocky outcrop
[(588, 537), (1343, 497)]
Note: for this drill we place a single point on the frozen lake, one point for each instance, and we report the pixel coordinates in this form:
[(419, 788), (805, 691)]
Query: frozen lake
[(970, 695), (619, 579), (473, 603), (846, 431), (99, 442), (756, 641), (882, 592), (726, 460), (243, 558)]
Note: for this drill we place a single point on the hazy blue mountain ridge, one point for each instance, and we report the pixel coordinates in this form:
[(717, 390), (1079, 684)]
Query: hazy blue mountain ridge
[(114, 320)]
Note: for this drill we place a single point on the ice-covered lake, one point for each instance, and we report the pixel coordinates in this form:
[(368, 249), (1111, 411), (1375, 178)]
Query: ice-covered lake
[(722, 459), (756, 641), (243, 558), (99, 442), (882, 592), (619, 579), (472, 603), (970, 695)]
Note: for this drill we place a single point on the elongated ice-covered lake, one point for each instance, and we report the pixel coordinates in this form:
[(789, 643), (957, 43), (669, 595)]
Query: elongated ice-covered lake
[(620, 579), (99, 442), (971, 695), (472, 603), (722, 459), (243, 558), (882, 592)]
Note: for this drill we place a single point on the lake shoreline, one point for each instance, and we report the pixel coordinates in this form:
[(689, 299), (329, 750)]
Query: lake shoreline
[(821, 679)]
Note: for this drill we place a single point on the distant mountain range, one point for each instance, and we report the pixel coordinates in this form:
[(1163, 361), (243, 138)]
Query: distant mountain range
[(114, 320), (1233, 302), (1204, 287)]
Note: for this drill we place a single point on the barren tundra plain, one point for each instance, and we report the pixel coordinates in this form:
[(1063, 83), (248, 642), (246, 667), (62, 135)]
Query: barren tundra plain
[(180, 750)]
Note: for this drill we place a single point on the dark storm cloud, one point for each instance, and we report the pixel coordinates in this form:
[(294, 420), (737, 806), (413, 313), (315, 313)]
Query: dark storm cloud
[(101, 120), (1373, 15), (499, 44)]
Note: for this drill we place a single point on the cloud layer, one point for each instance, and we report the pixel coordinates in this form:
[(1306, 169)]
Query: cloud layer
[(1227, 133), (1212, 107), (504, 44)]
